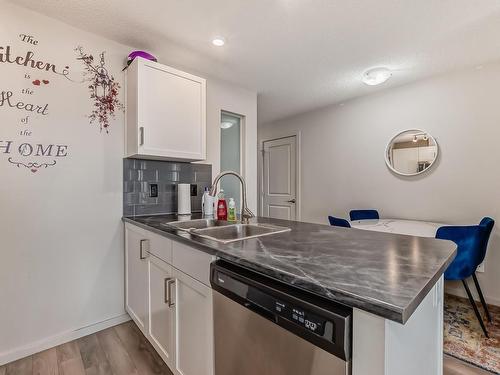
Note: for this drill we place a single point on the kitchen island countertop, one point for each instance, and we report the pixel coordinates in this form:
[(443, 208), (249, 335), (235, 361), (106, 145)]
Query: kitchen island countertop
[(384, 274)]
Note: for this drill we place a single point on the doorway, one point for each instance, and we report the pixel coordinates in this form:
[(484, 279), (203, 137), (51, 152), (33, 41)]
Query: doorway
[(280, 178), (231, 151)]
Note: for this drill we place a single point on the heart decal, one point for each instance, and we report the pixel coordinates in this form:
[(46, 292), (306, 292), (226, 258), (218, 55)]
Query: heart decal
[(36, 82), (45, 82), (34, 170)]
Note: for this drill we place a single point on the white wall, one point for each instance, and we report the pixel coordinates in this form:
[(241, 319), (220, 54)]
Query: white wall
[(343, 156), (61, 235), (61, 265), (222, 96)]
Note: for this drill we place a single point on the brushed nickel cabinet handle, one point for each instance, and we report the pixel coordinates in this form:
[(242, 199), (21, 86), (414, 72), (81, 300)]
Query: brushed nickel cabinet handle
[(144, 248), (141, 136), (167, 290), (170, 282)]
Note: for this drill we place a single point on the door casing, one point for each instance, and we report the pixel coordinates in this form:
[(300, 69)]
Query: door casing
[(298, 175)]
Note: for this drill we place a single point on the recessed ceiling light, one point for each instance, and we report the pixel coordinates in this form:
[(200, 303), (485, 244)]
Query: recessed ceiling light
[(376, 76), (226, 125), (219, 41)]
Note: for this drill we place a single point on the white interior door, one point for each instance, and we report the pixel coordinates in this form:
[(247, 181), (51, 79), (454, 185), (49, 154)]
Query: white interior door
[(279, 198)]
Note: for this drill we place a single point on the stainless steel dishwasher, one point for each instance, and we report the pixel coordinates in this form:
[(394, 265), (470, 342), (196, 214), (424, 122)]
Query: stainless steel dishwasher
[(264, 327)]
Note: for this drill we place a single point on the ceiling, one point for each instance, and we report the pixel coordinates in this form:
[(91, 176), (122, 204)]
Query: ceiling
[(297, 54)]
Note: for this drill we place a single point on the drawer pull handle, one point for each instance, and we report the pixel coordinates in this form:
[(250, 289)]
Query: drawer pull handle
[(144, 248), (167, 290), (170, 282)]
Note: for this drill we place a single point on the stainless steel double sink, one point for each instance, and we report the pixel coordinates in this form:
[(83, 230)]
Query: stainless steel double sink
[(224, 231)]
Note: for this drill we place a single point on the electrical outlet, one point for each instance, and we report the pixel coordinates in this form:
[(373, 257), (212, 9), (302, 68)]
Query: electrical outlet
[(153, 190), (480, 268), (194, 190)]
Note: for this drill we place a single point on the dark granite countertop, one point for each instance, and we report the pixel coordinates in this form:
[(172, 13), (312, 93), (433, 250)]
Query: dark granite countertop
[(384, 274)]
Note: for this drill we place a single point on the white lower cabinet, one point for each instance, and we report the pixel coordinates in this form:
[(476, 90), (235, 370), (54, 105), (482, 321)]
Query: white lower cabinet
[(161, 313), (171, 307), (136, 272), (193, 326)]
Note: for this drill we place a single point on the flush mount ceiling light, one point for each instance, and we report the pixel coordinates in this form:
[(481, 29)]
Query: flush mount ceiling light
[(226, 125), (218, 41), (376, 76)]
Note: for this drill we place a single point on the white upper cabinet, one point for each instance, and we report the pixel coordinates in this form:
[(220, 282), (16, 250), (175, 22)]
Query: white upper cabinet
[(166, 113)]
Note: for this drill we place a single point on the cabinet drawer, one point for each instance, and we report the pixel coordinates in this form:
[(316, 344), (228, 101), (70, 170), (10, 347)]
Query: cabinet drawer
[(192, 262), (160, 246)]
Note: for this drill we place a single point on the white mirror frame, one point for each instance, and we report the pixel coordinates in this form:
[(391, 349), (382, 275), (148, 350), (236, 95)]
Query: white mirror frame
[(388, 162)]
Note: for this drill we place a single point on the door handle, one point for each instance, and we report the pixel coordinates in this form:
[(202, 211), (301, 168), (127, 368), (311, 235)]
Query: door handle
[(170, 282), (141, 136), (166, 290), (291, 201), (144, 246)]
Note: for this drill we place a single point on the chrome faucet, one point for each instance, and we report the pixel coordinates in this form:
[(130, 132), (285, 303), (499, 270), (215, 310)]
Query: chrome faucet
[(245, 212)]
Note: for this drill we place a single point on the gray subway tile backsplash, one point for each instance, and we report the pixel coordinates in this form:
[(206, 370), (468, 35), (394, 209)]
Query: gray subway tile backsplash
[(139, 174)]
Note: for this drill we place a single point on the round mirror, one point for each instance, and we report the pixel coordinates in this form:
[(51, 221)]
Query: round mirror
[(411, 152)]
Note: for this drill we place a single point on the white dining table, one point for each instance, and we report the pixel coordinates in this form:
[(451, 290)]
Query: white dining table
[(399, 226)]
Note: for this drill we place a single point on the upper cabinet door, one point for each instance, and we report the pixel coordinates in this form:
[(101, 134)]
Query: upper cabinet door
[(166, 112)]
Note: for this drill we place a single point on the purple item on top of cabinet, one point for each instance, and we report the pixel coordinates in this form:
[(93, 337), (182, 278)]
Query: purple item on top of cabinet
[(143, 54)]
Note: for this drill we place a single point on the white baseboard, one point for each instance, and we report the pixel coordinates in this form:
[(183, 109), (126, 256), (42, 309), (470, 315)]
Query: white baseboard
[(59, 339), (460, 291)]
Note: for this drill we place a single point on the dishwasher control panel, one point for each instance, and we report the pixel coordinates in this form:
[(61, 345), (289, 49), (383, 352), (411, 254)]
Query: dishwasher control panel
[(301, 317), (323, 323)]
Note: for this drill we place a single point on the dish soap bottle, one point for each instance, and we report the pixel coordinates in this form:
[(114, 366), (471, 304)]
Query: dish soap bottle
[(221, 207), (231, 214)]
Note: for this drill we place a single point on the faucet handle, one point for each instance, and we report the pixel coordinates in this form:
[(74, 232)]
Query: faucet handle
[(246, 214)]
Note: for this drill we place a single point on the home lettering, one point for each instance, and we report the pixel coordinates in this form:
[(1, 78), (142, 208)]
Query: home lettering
[(37, 149)]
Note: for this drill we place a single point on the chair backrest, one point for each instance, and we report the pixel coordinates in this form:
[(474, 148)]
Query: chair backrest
[(338, 222), (363, 215), (470, 241), (487, 223)]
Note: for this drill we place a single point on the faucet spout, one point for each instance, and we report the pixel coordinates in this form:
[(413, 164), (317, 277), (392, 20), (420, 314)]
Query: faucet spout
[(246, 214)]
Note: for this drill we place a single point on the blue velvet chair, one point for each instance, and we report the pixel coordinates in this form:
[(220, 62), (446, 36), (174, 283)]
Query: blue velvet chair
[(338, 222), (487, 223), (472, 242), (363, 215)]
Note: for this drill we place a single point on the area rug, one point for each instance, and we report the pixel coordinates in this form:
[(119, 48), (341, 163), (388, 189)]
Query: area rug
[(463, 337)]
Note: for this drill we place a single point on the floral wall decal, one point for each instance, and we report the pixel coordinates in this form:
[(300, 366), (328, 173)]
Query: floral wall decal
[(32, 166), (103, 89)]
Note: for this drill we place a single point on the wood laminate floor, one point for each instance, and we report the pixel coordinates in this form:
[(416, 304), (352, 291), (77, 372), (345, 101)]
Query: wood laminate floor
[(123, 350), (453, 366), (120, 350)]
